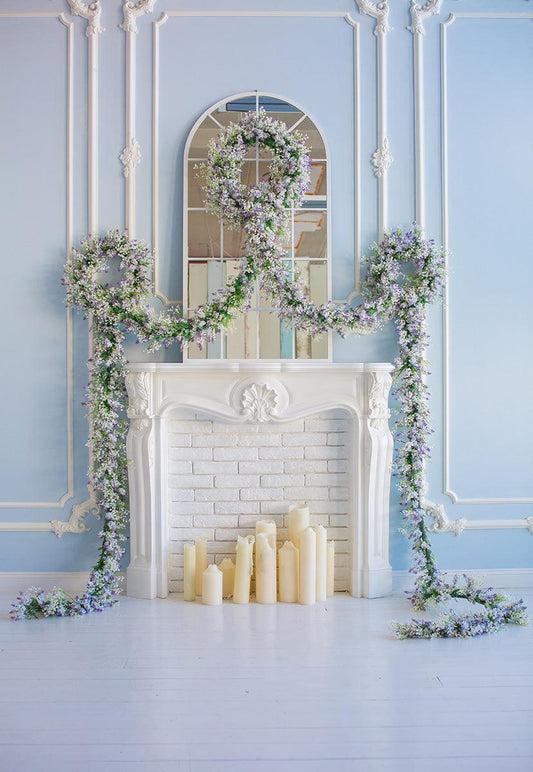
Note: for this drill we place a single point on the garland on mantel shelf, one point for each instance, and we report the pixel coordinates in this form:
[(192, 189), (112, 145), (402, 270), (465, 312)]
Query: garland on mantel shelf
[(404, 275)]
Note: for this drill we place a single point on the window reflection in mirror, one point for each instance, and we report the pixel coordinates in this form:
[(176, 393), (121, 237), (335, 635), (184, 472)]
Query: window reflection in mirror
[(213, 251)]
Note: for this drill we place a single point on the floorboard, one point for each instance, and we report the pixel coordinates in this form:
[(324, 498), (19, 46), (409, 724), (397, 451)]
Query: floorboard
[(174, 686)]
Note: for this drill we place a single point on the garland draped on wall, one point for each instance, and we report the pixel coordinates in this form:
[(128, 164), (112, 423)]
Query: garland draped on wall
[(404, 275)]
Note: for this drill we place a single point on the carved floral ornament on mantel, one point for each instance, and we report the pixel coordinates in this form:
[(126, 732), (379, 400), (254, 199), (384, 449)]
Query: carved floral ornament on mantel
[(389, 292), (259, 402)]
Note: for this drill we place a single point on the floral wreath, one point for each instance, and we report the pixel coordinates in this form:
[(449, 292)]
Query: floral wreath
[(389, 292)]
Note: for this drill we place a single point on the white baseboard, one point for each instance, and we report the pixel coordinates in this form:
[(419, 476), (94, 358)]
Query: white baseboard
[(500, 578), (14, 582), (73, 582)]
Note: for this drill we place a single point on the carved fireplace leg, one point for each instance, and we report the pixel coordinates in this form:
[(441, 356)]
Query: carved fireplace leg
[(144, 454), (375, 577)]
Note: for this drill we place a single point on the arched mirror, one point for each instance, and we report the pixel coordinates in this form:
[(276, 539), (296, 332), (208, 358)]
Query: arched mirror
[(212, 251)]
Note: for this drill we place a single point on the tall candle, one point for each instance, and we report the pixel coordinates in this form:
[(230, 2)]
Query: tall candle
[(307, 588), (227, 566), (298, 521), (331, 569), (201, 563), (288, 573), (261, 526), (189, 571), (244, 566), (265, 568), (321, 562), (264, 526), (212, 586)]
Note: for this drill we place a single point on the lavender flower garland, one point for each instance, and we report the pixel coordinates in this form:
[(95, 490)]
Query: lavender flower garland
[(389, 292)]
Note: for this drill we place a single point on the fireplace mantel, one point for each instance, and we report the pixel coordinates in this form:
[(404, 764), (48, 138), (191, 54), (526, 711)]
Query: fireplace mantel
[(258, 392)]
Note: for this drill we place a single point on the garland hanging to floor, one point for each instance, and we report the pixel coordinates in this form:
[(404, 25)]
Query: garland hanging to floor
[(404, 275)]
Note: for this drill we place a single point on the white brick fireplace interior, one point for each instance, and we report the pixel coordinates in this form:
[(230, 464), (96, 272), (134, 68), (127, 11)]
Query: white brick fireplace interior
[(214, 447)]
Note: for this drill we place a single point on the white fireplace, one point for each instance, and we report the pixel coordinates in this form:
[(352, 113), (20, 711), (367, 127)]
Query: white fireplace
[(215, 446)]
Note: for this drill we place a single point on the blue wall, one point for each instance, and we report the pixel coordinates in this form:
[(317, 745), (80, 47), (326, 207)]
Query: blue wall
[(475, 91)]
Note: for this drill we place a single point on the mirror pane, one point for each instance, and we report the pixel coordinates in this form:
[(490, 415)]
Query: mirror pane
[(241, 338), (195, 185), (310, 234), (215, 251), (204, 235)]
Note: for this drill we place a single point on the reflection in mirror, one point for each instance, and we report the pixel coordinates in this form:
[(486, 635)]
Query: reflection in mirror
[(213, 251)]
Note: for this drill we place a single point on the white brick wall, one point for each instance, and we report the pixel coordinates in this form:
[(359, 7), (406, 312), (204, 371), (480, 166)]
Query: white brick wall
[(224, 477)]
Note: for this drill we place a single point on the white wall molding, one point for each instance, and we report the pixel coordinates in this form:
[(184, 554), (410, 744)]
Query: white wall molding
[(442, 524), (500, 578), (448, 488), (156, 31), (419, 13), (380, 12), (14, 582), (73, 582), (75, 523), (131, 155), (69, 133), (92, 12)]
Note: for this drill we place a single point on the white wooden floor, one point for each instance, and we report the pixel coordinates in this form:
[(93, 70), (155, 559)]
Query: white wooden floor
[(168, 685)]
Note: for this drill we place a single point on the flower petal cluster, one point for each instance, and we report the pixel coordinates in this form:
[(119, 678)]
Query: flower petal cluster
[(404, 275)]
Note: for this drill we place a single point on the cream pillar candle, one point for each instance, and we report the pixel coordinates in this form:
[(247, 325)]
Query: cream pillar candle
[(201, 563), (307, 586), (321, 562), (265, 568), (227, 566), (331, 569), (189, 571), (298, 520), (244, 565), (212, 586), (288, 573), (264, 526)]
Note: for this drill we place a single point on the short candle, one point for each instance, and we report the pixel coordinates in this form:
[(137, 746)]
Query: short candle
[(212, 586)]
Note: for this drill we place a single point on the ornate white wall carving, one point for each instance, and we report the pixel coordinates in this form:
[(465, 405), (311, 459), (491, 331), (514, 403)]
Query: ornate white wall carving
[(90, 11), (276, 392), (382, 158), (132, 11), (420, 12), (380, 12), (131, 156)]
